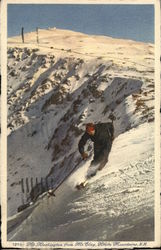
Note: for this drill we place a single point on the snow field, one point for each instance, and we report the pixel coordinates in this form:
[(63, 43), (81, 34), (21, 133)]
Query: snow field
[(52, 92)]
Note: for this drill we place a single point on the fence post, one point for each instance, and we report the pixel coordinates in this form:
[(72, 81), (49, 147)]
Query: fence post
[(36, 181), (41, 184), (22, 34), (32, 183), (22, 186), (23, 191), (46, 180), (37, 32), (27, 185)]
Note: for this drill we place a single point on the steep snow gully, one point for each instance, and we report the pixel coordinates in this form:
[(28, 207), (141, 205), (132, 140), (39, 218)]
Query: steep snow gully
[(117, 204), (51, 95)]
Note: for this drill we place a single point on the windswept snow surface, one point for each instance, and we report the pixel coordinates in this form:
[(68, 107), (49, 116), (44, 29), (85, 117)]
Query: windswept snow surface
[(117, 204), (54, 88)]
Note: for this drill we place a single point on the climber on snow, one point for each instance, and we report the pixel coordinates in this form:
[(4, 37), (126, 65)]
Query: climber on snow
[(102, 134)]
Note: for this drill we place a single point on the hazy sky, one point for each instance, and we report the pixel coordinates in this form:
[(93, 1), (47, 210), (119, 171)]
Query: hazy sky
[(122, 21)]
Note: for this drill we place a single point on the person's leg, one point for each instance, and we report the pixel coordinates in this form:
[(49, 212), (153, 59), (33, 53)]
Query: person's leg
[(100, 158), (97, 155), (105, 156), (103, 161), (93, 168), (96, 160), (95, 163)]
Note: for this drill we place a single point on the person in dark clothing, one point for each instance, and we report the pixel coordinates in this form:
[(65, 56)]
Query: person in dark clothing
[(102, 134)]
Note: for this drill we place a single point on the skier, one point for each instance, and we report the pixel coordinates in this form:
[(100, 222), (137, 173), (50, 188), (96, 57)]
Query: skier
[(102, 134)]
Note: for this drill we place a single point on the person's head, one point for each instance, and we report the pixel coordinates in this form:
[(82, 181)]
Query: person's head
[(90, 129)]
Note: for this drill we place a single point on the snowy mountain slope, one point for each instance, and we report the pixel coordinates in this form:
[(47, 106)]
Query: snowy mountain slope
[(118, 200), (57, 86)]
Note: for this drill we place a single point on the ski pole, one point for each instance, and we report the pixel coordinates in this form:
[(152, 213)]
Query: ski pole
[(72, 170)]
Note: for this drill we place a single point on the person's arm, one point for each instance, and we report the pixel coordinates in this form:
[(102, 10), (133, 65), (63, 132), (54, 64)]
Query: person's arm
[(82, 143), (111, 131)]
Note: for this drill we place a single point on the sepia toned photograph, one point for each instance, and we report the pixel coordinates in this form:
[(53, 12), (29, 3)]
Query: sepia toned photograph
[(81, 131)]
